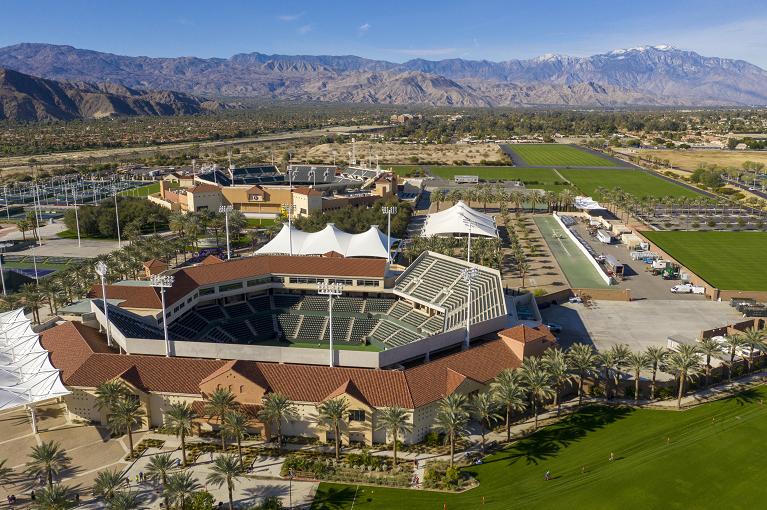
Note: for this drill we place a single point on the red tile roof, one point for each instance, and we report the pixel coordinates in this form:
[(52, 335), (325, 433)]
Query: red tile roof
[(132, 296), (525, 334), (307, 191), (70, 344), (203, 188)]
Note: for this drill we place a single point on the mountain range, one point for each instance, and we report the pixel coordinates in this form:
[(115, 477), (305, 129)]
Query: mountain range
[(29, 98), (646, 76)]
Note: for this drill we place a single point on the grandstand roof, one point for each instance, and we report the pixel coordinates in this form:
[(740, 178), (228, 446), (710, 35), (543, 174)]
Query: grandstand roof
[(459, 219), (371, 243), (26, 373)]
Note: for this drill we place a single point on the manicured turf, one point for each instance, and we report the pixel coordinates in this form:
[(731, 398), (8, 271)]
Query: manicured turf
[(713, 460), (636, 182), (554, 154), (142, 191), (534, 178), (727, 260), (578, 270), (404, 170)]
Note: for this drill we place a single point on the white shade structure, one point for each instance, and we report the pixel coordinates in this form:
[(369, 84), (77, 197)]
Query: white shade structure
[(587, 204), (371, 243), (27, 376), (458, 220)]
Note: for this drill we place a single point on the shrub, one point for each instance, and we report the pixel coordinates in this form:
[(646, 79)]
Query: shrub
[(201, 500), (434, 438)]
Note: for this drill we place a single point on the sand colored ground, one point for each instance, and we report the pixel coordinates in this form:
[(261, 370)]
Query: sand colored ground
[(690, 159), (394, 153)]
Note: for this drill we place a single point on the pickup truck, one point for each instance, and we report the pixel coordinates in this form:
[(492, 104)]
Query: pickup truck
[(688, 288)]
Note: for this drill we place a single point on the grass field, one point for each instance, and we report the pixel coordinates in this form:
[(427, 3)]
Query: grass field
[(636, 182), (578, 270), (404, 170), (538, 178), (727, 260), (554, 154), (711, 461), (142, 191)]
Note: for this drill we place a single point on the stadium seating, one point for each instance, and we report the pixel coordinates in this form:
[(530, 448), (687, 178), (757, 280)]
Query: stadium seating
[(341, 327), (287, 301), (380, 305), (399, 310), (262, 325), (311, 328), (260, 303), (361, 328), (288, 324), (211, 313), (238, 330), (238, 310), (318, 303), (348, 304)]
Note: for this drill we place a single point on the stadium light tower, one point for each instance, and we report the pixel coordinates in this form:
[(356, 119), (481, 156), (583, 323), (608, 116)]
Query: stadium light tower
[(468, 276), (331, 290), (117, 219), (101, 270), (2, 275), (163, 282), (290, 208), (388, 211), (225, 210)]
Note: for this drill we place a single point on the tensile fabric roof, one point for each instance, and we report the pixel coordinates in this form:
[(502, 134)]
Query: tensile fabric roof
[(459, 219), (371, 243)]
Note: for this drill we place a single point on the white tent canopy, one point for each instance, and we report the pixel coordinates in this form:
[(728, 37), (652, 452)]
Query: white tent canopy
[(371, 243), (26, 373), (587, 204), (459, 219)]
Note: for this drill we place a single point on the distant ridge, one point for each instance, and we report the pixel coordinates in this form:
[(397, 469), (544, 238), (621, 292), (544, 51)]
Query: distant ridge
[(28, 98), (658, 75)]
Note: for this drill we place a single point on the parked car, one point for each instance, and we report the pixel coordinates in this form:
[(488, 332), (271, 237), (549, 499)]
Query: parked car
[(553, 327), (688, 288), (575, 299)]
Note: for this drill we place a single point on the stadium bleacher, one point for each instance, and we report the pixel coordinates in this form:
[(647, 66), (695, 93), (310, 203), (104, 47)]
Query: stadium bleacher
[(287, 301), (311, 328), (238, 310)]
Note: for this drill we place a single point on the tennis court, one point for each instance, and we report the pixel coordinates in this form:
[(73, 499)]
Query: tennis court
[(578, 270)]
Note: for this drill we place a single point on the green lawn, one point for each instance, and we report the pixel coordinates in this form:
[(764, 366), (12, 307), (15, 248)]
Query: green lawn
[(534, 178), (404, 170), (636, 182), (142, 191), (554, 154), (713, 460), (727, 260)]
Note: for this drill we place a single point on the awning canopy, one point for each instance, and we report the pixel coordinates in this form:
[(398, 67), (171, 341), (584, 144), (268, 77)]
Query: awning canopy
[(587, 204), (26, 373), (371, 243), (459, 219)]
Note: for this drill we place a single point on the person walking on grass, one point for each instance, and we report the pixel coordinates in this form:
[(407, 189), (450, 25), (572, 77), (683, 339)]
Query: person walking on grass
[(612, 456), (547, 475)]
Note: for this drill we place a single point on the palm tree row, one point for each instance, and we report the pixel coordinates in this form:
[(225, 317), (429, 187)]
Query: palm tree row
[(501, 196)]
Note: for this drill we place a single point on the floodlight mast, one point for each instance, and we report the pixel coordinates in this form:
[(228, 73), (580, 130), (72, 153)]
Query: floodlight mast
[(290, 208), (226, 209), (163, 282), (331, 290), (101, 270), (468, 276), (388, 211)]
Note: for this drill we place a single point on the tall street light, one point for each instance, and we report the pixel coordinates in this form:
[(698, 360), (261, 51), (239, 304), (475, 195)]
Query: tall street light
[(225, 210), (388, 211), (117, 218), (101, 270), (77, 214), (468, 276), (331, 290), (2, 273), (290, 208), (163, 282)]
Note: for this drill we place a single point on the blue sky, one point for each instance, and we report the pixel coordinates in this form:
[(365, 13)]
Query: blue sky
[(390, 29)]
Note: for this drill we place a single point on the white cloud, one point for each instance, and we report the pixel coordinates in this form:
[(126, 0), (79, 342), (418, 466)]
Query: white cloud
[(291, 17), (425, 52), (363, 28), (304, 29)]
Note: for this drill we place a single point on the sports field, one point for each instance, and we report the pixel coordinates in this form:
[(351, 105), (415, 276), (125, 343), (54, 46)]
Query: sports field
[(573, 262), (727, 260), (143, 191), (534, 178), (636, 182), (707, 457), (555, 154)]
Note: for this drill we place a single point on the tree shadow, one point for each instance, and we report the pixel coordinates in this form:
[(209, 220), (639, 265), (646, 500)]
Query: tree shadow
[(748, 396), (334, 498), (548, 441)]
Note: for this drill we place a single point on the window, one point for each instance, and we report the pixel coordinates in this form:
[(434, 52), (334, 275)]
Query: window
[(208, 291), (341, 281), (356, 415), (258, 281), (230, 286), (304, 280), (368, 283)]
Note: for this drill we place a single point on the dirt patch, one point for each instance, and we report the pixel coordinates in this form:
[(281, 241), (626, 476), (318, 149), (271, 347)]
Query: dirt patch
[(400, 153), (690, 159)]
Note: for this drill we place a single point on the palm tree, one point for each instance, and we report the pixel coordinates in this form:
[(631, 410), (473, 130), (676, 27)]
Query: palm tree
[(54, 497), (484, 408), (180, 487), (236, 426), (657, 356), (331, 414), (556, 365), (225, 471), (394, 420), (47, 459), (583, 361), (23, 226), (538, 384), (33, 299), (523, 268), (637, 361), (709, 347), (109, 393), (733, 343), (685, 363), (452, 419), (108, 483), (158, 469), (277, 408), (180, 419), (509, 391), (220, 402), (754, 339), (126, 414), (123, 500)]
